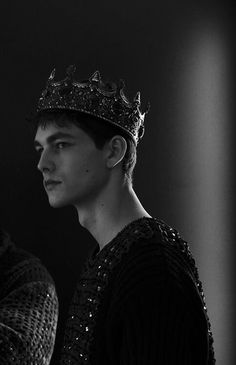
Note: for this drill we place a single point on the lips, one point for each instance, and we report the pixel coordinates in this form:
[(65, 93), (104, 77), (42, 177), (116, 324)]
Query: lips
[(51, 184)]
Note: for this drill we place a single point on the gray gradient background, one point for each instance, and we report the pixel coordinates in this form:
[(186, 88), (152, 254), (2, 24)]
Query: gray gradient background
[(179, 55)]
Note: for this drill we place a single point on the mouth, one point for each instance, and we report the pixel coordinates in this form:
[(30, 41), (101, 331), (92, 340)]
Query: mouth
[(51, 184)]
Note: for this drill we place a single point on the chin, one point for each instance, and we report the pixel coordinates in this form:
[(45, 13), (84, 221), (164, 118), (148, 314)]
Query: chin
[(57, 203), (62, 200)]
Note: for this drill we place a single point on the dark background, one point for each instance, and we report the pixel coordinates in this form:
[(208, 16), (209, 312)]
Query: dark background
[(180, 56)]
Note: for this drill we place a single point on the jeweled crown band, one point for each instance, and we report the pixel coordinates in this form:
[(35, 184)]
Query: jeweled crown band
[(105, 101)]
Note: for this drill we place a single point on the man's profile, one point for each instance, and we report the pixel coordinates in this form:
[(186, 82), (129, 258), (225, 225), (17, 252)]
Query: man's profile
[(139, 299)]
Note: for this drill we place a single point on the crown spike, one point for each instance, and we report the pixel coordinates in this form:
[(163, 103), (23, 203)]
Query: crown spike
[(70, 71), (51, 77), (121, 84), (137, 98), (96, 77), (148, 107)]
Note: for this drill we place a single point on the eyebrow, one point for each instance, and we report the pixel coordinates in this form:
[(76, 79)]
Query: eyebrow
[(53, 138)]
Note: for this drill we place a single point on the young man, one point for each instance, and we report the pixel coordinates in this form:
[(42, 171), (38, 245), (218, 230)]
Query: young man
[(28, 307), (139, 299)]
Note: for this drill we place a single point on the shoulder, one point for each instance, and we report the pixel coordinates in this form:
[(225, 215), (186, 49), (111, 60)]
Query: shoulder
[(157, 260), (156, 246), (19, 267)]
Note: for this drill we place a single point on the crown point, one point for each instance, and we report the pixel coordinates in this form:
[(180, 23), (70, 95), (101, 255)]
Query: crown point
[(52, 75), (121, 84), (96, 77), (70, 71), (147, 108), (137, 98)]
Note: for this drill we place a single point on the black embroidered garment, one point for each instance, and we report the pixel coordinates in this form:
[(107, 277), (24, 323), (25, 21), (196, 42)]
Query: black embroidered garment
[(139, 301), (28, 308)]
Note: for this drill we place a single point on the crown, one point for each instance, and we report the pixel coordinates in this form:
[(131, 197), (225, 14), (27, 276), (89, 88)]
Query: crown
[(105, 101)]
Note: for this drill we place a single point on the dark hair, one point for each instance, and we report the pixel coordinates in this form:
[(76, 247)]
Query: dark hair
[(99, 130)]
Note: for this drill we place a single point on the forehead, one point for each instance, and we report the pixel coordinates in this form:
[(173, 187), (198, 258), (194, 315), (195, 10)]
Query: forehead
[(44, 132)]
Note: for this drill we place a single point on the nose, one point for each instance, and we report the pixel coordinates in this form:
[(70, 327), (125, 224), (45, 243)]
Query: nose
[(46, 163)]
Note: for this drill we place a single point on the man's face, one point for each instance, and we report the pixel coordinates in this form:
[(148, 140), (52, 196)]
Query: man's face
[(74, 170)]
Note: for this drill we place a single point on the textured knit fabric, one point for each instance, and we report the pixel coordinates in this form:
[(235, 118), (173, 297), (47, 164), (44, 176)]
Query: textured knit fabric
[(139, 302), (28, 308)]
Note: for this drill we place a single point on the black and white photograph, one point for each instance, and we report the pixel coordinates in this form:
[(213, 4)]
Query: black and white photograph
[(117, 183)]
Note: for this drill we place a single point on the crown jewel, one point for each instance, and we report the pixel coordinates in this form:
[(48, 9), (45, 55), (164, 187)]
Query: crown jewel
[(105, 101)]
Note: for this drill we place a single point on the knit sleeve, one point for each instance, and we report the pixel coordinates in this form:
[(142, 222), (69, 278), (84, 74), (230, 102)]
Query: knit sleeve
[(28, 310), (28, 318), (159, 320)]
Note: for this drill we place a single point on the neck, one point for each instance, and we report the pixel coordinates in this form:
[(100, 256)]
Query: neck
[(107, 215)]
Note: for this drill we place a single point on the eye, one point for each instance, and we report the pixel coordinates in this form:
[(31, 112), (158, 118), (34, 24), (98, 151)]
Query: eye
[(61, 145)]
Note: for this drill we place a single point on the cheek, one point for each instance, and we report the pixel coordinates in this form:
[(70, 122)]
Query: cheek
[(95, 172), (89, 169)]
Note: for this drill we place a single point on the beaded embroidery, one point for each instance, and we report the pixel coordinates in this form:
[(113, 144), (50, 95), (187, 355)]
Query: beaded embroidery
[(90, 289)]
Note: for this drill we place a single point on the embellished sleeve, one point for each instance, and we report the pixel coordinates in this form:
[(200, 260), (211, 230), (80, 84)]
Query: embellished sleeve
[(159, 320), (28, 309)]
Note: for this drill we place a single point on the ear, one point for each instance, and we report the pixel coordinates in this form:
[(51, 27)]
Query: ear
[(116, 149)]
